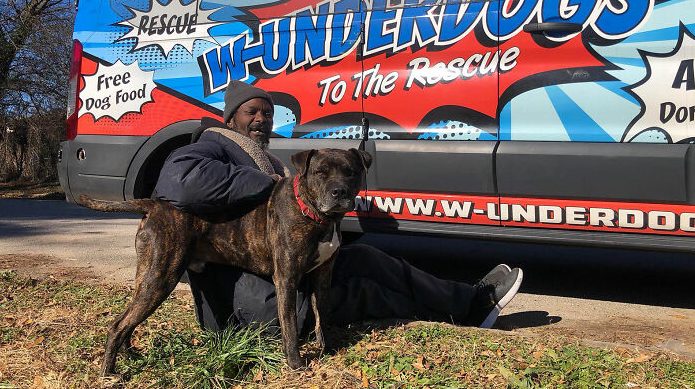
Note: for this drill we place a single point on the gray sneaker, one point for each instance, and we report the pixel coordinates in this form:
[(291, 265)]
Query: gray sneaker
[(492, 296), (494, 276)]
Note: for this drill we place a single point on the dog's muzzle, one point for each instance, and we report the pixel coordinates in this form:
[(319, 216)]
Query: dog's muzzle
[(337, 200)]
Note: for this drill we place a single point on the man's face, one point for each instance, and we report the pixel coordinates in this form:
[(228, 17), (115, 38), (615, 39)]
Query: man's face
[(254, 119)]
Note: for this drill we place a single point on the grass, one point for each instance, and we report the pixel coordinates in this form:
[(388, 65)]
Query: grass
[(54, 331), (31, 190), (52, 334), (431, 355)]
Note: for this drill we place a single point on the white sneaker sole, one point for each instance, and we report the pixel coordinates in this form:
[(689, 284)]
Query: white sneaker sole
[(492, 316)]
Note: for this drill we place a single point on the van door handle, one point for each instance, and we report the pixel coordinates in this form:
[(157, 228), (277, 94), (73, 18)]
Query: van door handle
[(564, 27)]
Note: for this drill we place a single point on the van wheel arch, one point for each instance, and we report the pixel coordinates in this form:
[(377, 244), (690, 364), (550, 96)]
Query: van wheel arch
[(147, 163)]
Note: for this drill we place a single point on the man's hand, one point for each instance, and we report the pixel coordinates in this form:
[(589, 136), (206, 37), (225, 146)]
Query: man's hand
[(275, 177)]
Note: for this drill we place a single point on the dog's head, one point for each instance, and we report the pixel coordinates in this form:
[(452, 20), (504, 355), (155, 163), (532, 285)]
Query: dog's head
[(332, 178)]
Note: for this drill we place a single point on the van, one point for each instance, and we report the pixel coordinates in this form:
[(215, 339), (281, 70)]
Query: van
[(564, 121)]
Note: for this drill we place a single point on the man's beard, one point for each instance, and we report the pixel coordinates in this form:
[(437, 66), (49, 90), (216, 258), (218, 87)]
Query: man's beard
[(263, 144)]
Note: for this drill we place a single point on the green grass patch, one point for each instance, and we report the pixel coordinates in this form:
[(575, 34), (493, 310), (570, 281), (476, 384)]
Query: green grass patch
[(52, 333)]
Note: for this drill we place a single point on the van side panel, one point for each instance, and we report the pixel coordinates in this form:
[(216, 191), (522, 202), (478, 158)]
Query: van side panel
[(477, 112)]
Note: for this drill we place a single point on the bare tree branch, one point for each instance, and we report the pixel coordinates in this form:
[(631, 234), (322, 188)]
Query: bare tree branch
[(35, 49)]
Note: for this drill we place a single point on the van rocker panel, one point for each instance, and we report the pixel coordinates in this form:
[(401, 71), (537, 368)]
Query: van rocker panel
[(102, 172)]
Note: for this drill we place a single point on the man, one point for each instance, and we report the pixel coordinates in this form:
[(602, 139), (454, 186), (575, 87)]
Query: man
[(216, 176)]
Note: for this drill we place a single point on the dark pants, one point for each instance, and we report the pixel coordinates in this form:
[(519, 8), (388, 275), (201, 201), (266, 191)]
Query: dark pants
[(367, 284)]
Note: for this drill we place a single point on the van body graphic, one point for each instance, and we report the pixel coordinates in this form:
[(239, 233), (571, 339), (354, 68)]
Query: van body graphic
[(571, 110)]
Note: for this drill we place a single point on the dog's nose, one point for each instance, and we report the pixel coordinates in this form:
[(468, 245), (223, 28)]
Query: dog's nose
[(338, 192)]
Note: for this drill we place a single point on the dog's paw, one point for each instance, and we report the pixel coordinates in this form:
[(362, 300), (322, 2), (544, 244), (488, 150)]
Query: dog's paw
[(297, 363)]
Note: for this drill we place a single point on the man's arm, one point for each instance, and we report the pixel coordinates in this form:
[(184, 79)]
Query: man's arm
[(200, 179)]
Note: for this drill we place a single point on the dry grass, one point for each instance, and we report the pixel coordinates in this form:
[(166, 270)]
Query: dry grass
[(52, 334), (29, 190)]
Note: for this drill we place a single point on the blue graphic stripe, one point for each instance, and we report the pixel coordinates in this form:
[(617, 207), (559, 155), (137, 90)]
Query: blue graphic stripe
[(626, 61), (531, 116), (580, 126), (663, 34), (670, 3), (629, 74), (608, 109), (617, 88), (484, 135), (670, 14), (505, 130), (285, 131)]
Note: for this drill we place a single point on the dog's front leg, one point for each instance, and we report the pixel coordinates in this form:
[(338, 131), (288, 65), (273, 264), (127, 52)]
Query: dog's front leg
[(286, 291), (320, 280)]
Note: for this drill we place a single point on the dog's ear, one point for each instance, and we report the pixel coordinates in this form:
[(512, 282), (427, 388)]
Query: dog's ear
[(301, 161), (364, 156)]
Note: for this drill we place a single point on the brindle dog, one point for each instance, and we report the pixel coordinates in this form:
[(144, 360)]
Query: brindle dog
[(277, 239)]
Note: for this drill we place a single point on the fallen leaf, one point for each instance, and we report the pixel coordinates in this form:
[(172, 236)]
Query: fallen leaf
[(23, 322), (639, 359), (420, 363), (488, 353), (259, 376), (38, 383), (37, 341)]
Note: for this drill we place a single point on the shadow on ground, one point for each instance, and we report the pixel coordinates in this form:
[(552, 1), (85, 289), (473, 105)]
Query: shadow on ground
[(631, 276)]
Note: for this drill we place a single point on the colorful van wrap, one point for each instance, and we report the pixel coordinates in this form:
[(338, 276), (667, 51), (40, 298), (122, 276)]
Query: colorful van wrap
[(464, 70), (582, 111)]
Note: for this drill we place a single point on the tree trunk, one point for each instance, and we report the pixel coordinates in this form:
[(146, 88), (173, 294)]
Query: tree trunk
[(10, 45)]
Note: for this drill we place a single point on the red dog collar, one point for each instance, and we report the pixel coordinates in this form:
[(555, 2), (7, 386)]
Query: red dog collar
[(302, 205)]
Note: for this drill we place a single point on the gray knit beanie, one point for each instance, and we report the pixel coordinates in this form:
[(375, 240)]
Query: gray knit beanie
[(239, 92)]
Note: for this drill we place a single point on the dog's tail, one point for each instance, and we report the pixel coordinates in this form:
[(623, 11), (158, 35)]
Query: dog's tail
[(143, 206)]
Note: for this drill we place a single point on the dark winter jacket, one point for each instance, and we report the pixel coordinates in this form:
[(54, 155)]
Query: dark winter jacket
[(213, 176)]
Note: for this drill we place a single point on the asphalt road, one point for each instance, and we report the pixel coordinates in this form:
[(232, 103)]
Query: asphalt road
[(600, 295)]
